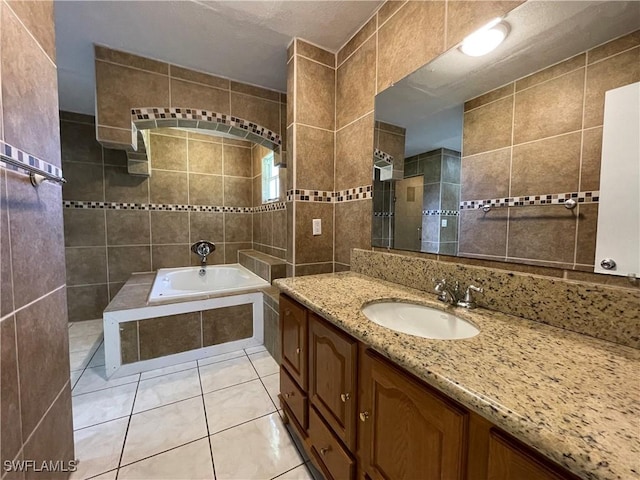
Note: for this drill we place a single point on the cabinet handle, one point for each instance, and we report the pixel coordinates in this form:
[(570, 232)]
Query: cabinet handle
[(324, 451), (344, 397), (288, 395), (364, 416), (287, 312), (297, 351)]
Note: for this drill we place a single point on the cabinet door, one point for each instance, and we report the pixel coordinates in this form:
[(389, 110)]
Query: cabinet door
[(333, 359), (508, 460), (293, 328), (405, 430)]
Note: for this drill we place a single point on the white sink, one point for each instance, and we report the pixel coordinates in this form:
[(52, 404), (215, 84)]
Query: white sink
[(419, 320)]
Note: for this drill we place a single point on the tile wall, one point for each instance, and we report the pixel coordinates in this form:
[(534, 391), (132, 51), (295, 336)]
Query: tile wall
[(330, 125), (207, 181), (161, 336), (310, 131), (35, 410), (125, 81), (405, 36), (545, 136), (440, 172)]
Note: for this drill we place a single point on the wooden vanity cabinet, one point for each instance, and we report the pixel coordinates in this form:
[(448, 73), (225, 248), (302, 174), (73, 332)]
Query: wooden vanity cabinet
[(333, 358), (293, 329), (293, 367), (358, 415), (407, 431)]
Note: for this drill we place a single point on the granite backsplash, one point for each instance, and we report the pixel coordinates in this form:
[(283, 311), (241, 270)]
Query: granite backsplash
[(604, 312)]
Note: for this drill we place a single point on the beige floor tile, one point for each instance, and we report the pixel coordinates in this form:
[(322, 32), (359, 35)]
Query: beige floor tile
[(264, 363), (192, 461), (164, 428), (98, 448), (266, 440), (235, 405), (167, 389), (225, 374)]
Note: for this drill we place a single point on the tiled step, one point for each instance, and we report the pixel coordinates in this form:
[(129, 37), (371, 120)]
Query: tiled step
[(263, 265)]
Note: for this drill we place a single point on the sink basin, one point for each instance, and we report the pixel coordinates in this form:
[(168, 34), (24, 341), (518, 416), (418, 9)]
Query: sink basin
[(419, 320)]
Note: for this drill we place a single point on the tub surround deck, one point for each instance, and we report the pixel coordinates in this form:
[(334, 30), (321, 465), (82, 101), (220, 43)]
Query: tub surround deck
[(135, 294), (572, 397)]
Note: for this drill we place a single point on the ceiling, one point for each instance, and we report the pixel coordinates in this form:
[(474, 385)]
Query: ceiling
[(241, 40)]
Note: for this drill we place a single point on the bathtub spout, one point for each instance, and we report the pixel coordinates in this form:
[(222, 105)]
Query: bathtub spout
[(203, 266)]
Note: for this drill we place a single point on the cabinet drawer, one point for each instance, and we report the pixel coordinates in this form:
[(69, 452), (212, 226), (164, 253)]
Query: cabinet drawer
[(295, 399), (293, 328), (328, 452)]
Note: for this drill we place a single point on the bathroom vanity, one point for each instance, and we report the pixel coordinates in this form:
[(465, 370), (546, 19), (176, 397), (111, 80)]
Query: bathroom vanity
[(521, 400)]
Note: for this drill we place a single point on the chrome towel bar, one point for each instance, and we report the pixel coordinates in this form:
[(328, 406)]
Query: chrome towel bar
[(38, 169)]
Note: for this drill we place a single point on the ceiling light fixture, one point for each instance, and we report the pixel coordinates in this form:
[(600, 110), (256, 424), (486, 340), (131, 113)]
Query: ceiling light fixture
[(485, 39)]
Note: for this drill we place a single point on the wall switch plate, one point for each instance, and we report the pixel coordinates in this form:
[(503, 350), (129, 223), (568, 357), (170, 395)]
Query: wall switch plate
[(445, 222), (317, 226)]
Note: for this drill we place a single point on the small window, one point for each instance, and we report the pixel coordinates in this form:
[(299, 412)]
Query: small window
[(270, 180)]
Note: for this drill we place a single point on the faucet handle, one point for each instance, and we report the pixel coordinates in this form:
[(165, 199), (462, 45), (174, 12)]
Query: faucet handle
[(468, 301)]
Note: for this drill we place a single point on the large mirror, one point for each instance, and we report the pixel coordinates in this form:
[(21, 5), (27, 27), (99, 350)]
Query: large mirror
[(498, 156)]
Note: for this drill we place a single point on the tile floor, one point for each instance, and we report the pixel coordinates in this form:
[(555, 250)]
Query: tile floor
[(216, 418)]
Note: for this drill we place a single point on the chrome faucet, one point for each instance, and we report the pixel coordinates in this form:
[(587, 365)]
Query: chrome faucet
[(453, 295), (203, 249)]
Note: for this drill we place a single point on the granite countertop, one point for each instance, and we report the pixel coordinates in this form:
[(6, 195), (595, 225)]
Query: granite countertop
[(574, 398)]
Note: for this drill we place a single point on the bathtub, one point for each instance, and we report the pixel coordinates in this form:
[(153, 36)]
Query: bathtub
[(188, 307), (186, 282)]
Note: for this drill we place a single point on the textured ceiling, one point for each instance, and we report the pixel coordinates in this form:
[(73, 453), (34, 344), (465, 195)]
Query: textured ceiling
[(242, 40)]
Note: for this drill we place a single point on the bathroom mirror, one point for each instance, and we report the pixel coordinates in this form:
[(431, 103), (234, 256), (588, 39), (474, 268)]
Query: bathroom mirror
[(483, 156)]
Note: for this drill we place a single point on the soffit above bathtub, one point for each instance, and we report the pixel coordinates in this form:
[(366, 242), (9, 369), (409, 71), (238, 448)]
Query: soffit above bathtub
[(242, 40)]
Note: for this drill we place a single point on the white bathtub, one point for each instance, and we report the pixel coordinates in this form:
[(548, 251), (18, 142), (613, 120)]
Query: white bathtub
[(186, 282)]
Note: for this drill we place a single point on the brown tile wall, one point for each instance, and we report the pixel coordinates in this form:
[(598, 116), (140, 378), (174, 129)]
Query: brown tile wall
[(125, 81), (103, 247), (161, 336), (35, 410), (311, 90), (399, 38), (269, 227), (541, 135)]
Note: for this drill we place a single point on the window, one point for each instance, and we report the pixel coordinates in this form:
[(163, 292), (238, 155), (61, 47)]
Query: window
[(270, 180)]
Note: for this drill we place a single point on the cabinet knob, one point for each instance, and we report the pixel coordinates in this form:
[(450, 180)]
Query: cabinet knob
[(288, 395), (364, 416), (297, 351), (325, 450), (344, 397), (287, 312)]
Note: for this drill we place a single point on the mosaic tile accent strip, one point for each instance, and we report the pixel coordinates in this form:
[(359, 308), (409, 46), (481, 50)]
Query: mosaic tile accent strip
[(381, 159), (320, 196), (429, 213), (270, 207), (162, 207), (548, 199), (383, 214), (357, 193), (31, 164), (149, 117)]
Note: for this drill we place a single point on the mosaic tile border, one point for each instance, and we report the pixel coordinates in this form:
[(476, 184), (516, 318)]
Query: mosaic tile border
[(382, 159), (270, 207), (170, 207), (528, 200), (383, 214), (154, 117), (30, 162), (325, 196), (429, 213)]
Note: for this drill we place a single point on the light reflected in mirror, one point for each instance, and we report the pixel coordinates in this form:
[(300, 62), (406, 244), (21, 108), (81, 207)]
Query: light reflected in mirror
[(519, 127)]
